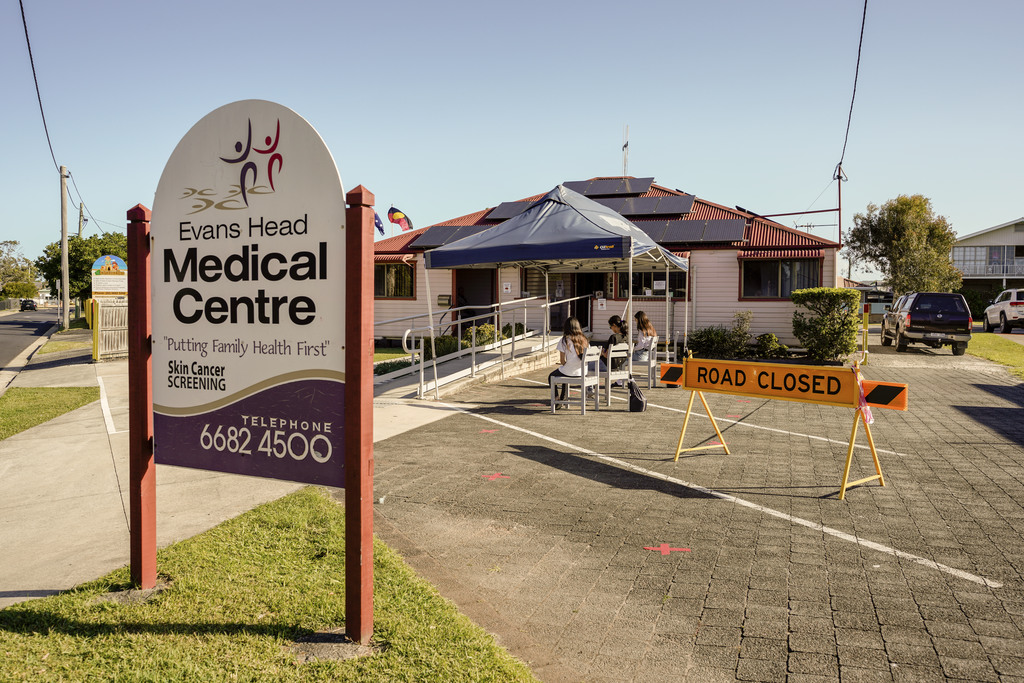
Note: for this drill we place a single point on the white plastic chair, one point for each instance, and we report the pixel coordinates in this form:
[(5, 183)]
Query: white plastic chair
[(650, 365), (588, 378), (615, 352)]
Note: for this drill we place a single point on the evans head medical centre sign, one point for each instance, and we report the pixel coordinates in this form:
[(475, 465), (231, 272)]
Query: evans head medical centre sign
[(248, 273)]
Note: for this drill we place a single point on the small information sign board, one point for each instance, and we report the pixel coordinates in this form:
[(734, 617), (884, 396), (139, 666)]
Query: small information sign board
[(109, 277)]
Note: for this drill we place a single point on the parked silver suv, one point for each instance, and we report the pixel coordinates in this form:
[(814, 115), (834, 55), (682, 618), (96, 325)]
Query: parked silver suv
[(1007, 311)]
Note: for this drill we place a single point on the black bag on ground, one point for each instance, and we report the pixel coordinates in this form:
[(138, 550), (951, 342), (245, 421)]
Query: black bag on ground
[(637, 400)]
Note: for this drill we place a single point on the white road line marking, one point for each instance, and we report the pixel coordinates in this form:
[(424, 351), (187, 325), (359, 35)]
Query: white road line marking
[(816, 526), (105, 407)]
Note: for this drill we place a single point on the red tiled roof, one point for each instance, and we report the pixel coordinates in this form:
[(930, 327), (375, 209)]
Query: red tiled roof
[(394, 258), (780, 253), (759, 232), (399, 244)]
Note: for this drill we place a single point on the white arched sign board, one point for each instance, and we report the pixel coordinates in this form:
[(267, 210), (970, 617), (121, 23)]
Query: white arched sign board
[(248, 292)]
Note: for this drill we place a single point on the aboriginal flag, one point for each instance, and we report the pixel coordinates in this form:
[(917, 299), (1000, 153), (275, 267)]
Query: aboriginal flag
[(399, 218), (378, 223)]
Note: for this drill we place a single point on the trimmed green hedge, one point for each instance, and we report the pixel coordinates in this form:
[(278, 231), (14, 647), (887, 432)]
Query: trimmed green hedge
[(829, 332)]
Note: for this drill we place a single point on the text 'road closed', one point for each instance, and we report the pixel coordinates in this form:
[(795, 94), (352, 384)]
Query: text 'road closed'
[(812, 384)]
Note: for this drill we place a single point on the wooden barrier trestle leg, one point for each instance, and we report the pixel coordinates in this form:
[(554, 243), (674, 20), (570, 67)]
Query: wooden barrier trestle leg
[(858, 417)]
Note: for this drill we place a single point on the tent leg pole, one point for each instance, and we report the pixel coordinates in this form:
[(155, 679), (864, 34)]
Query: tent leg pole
[(430, 319), (547, 310), (629, 306)]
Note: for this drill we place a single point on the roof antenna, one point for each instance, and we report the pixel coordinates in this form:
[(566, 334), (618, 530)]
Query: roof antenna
[(625, 152)]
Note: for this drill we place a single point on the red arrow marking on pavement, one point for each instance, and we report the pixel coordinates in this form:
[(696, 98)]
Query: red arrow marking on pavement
[(734, 416), (665, 549), (492, 477), (488, 431)]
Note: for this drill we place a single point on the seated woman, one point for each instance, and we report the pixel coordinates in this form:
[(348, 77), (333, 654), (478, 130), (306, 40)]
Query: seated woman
[(620, 335), (645, 335), (571, 348)]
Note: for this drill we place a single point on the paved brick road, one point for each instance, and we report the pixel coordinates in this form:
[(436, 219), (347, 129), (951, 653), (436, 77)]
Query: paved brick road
[(773, 583)]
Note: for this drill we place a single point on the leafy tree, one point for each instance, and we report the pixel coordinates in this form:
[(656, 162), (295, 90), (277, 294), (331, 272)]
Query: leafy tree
[(14, 268), (19, 290), (82, 253), (908, 243)]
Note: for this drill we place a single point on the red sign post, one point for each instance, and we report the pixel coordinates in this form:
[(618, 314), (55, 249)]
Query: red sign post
[(359, 415), (141, 468)]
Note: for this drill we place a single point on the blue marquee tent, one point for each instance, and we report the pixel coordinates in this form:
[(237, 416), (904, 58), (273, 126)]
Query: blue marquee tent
[(563, 231)]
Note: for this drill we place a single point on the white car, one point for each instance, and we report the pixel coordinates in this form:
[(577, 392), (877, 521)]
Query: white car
[(1006, 312)]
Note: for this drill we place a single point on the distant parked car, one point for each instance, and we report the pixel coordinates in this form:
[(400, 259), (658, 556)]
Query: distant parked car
[(933, 318), (1007, 311), (28, 305)]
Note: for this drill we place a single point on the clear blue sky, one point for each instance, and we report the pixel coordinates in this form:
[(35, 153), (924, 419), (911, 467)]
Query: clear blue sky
[(444, 108)]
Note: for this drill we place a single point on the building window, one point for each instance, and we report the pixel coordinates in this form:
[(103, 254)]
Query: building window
[(653, 284), (776, 279), (393, 281)]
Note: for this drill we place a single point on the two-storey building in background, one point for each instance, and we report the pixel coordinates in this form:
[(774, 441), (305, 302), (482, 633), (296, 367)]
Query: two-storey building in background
[(992, 260)]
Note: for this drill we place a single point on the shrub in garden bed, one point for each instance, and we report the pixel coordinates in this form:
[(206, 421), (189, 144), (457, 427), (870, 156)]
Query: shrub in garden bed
[(829, 332)]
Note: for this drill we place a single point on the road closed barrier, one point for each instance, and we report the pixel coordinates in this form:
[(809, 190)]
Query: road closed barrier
[(835, 386)]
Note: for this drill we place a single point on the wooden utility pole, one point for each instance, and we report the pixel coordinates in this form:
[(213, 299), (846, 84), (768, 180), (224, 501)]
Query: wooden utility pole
[(64, 297)]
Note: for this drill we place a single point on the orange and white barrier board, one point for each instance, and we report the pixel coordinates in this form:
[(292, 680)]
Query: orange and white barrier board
[(834, 386)]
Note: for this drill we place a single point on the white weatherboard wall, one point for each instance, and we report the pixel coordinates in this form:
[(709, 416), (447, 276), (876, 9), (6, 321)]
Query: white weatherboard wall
[(716, 288), (1006, 235), (389, 309)]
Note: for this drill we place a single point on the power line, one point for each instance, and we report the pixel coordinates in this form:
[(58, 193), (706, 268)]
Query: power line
[(36, 80), (856, 75), (42, 114)]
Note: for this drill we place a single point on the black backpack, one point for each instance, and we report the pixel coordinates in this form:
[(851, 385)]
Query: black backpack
[(637, 400)]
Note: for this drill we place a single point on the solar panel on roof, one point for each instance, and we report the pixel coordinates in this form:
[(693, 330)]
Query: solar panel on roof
[(640, 206), (613, 203), (676, 204), (724, 230), (636, 185), (578, 186), (445, 234), (434, 237), (654, 229), (507, 210), (606, 186), (683, 231)]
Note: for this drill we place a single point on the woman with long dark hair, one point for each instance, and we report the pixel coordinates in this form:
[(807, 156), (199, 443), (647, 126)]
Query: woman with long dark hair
[(571, 348), (620, 334)]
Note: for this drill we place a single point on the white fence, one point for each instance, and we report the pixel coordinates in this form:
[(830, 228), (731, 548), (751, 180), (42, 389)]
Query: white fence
[(110, 334)]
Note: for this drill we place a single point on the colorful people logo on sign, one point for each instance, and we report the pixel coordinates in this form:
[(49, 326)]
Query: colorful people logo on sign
[(248, 165), (249, 173)]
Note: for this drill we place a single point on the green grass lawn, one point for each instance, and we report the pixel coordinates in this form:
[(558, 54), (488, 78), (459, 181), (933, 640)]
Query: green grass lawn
[(388, 353), (24, 407), (56, 346), (240, 594), (998, 349)]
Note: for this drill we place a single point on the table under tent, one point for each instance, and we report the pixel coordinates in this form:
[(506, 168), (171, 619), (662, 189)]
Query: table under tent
[(563, 232)]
